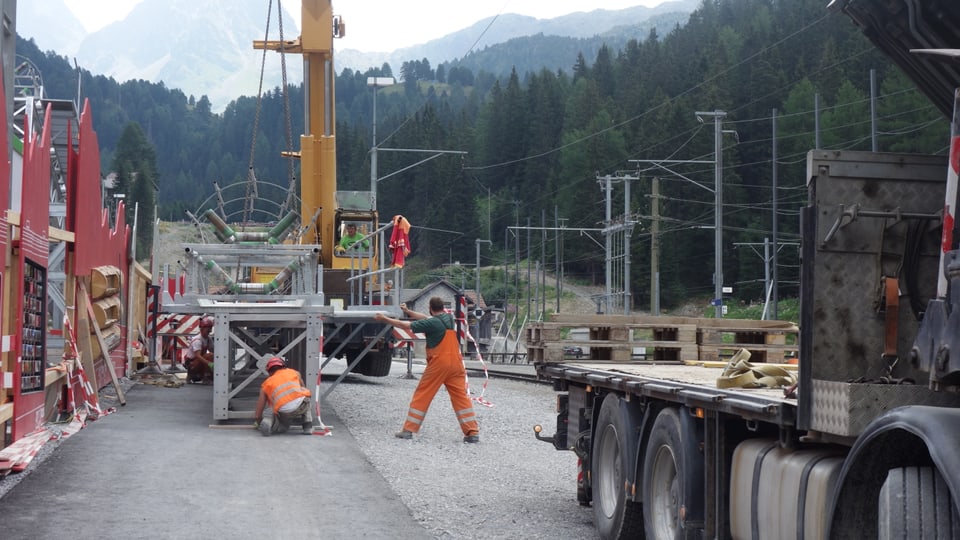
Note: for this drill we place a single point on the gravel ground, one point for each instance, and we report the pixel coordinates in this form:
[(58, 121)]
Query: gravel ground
[(510, 485)]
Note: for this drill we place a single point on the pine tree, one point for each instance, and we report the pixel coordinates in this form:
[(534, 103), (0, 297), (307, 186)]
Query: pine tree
[(135, 162)]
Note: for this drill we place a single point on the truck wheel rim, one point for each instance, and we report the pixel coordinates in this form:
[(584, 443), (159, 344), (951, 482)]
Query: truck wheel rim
[(665, 494), (611, 475)]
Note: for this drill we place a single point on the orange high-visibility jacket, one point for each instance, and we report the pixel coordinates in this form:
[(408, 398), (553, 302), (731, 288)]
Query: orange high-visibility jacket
[(283, 387)]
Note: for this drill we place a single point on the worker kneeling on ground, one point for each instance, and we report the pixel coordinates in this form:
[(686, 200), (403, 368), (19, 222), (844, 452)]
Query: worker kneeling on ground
[(288, 400), (199, 355)]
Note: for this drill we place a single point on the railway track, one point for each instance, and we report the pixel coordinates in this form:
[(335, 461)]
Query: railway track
[(516, 372)]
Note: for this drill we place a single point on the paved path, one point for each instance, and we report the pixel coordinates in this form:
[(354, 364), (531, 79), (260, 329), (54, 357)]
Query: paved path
[(156, 469)]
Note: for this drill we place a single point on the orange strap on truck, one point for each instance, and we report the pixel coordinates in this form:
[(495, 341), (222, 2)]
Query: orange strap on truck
[(891, 316)]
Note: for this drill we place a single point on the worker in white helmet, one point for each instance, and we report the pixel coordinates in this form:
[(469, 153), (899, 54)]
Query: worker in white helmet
[(199, 355)]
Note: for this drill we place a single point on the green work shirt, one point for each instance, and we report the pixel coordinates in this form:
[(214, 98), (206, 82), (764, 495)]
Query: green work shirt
[(346, 242), (433, 328)]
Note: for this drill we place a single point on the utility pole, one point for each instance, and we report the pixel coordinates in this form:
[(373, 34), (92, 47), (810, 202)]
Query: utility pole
[(769, 271), (773, 285), (516, 253), (477, 289), (543, 260), (816, 121), (541, 281), (717, 198), (718, 117), (607, 244), (376, 83), (617, 277), (627, 233), (655, 248), (556, 255), (529, 270)]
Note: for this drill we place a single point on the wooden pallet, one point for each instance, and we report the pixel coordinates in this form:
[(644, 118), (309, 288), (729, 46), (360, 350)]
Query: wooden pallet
[(620, 338), (616, 340), (770, 354)]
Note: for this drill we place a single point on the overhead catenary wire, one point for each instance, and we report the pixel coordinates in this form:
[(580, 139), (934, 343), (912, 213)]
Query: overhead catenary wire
[(788, 159)]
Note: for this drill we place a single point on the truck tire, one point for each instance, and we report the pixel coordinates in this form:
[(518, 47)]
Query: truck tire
[(376, 363), (614, 515), (915, 502), (663, 477)]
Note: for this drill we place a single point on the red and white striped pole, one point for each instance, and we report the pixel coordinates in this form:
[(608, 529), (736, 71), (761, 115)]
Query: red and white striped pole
[(950, 199)]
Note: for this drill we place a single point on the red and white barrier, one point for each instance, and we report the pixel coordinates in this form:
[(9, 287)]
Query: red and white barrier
[(465, 334), (405, 337)]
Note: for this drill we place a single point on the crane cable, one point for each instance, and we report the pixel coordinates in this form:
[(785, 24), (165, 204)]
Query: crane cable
[(251, 187), (250, 194), (291, 173)]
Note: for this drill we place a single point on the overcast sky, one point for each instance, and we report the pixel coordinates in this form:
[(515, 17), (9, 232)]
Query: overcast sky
[(387, 25)]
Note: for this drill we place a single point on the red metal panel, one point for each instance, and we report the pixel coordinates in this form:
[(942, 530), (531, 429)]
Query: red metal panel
[(30, 290), (4, 188), (96, 243)]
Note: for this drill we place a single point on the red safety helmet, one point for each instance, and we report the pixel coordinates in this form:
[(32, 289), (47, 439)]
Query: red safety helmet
[(206, 322), (276, 361)]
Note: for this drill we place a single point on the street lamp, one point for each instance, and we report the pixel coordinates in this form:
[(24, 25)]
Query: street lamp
[(375, 82)]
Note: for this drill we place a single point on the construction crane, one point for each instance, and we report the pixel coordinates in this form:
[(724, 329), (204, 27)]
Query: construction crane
[(296, 285)]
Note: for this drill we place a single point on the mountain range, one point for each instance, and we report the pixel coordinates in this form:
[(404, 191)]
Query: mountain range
[(205, 48)]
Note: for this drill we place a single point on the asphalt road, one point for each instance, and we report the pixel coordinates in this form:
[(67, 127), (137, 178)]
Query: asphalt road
[(156, 469)]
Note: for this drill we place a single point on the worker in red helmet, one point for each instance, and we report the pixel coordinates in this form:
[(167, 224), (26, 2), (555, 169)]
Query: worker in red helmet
[(199, 355), (283, 399)]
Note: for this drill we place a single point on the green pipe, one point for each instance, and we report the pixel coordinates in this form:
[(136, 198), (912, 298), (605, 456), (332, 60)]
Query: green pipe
[(229, 236), (277, 233)]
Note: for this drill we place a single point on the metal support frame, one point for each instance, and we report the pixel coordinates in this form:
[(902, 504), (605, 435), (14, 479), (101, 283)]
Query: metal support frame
[(229, 383), (245, 323), (359, 323)]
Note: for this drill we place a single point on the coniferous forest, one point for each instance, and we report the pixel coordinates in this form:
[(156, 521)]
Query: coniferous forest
[(536, 142)]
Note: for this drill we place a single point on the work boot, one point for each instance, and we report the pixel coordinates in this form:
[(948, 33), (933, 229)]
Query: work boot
[(475, 438), (308, 428), (404, 434), (266, 427)]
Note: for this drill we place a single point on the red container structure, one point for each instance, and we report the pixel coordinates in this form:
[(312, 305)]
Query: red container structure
[(6, 402), (29, 269)]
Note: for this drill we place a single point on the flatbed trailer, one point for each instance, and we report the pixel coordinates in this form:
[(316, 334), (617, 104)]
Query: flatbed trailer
[(869, 443), (636, 426), (663, 452), (692, 386)]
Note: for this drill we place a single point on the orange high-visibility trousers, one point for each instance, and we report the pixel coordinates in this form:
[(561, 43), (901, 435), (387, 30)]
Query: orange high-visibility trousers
[(444, 367)]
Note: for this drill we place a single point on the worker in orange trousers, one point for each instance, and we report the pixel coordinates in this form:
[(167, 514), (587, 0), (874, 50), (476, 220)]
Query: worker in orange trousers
[(444, 368)]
